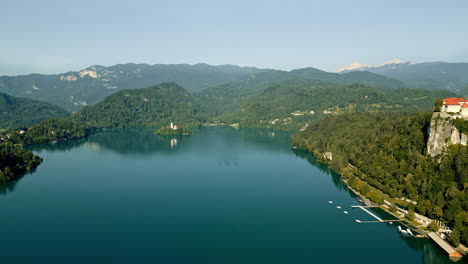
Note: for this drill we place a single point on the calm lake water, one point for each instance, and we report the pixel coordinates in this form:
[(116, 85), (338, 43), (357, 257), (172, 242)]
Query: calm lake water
[(219, 196)]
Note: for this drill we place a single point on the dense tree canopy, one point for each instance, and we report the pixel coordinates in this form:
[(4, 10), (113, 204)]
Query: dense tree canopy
[(291, 105), (15, 112), (157, 105), (15, 161)]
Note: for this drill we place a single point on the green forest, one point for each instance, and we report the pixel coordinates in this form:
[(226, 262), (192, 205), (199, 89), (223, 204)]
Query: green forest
[(387, 150), (18, 112), (291, 105), (15, 161), (154, 106), (52, 129)]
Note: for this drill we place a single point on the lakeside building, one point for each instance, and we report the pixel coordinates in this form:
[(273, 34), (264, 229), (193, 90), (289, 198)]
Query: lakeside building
[(455, 105)]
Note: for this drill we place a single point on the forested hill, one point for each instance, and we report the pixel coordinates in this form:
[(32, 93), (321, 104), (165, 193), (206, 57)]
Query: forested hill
[(157, 105), (75, 89), (229, 97), (21, 112), (291, 105), (387, 150)]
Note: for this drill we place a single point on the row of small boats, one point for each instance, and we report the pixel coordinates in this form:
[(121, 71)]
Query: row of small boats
[(339, 207), (405, 232)]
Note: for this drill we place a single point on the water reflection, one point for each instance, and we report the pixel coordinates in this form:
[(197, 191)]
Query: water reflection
[(336, 178), (59, 146), (143, 141), (7, 187), (229, 146)]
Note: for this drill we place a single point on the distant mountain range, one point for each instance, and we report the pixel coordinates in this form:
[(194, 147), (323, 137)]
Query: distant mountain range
[(73, 90), (230, 96), (224, 88), (428, 75), (21, 112)]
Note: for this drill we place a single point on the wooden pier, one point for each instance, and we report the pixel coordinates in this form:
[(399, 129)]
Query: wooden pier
[(445, 246), (382, 221)]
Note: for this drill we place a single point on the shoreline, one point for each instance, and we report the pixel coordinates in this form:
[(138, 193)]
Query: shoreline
[(423, 233)]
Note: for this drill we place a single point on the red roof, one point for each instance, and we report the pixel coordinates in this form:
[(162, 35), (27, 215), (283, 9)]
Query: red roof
[(454, 101), (465, 105)]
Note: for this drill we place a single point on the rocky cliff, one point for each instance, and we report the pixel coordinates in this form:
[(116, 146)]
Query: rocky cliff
[(443, 133)]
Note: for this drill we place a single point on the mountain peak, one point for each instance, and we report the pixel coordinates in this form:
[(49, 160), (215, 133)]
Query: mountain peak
[(354, 66), (358, 66), (395, 61)]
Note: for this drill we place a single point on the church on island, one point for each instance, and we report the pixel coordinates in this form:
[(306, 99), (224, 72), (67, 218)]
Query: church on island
[(455, 105)]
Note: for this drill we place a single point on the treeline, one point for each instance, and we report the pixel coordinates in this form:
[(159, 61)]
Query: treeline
[(288, 105), (15, 161), (53, 129), (387, 150)]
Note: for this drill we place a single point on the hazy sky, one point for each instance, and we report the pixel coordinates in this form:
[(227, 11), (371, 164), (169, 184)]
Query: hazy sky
[(56, 36)]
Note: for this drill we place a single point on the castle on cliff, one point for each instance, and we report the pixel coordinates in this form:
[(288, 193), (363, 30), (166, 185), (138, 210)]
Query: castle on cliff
[(455, 105)]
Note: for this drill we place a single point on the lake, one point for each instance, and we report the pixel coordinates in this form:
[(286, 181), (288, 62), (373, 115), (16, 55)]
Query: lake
[(221, 195)]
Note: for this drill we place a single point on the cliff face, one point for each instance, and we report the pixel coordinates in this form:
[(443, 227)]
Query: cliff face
[(443, 133)]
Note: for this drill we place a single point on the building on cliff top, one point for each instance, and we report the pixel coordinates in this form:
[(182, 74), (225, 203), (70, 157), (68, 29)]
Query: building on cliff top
[(455, 105)]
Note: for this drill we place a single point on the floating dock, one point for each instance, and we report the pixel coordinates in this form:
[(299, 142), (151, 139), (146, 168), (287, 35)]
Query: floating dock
[(445, 246)]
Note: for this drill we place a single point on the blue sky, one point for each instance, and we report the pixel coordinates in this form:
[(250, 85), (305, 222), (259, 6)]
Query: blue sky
[(56, 36)]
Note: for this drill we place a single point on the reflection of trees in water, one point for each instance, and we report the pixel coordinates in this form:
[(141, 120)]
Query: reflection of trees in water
[(336, 178), (59, 146), (272, 140), (431, 253), (137, 141), (144, 141), (6, 187), (124, 141), (233, 142)]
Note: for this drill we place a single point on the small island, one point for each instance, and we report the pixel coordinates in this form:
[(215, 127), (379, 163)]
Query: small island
[(173, 130)]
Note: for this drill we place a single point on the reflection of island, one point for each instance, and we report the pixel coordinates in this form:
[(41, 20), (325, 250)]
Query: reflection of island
[(129, 141), (142, 141), (137, 141)]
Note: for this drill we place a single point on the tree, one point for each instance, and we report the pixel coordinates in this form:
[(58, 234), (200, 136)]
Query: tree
[(410, 215), (433, 226), (363, 187), (454, 237), (438, 105), (393, 208), (438, 212)]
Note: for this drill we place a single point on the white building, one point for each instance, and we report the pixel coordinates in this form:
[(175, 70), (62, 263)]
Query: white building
[(455, 105)]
